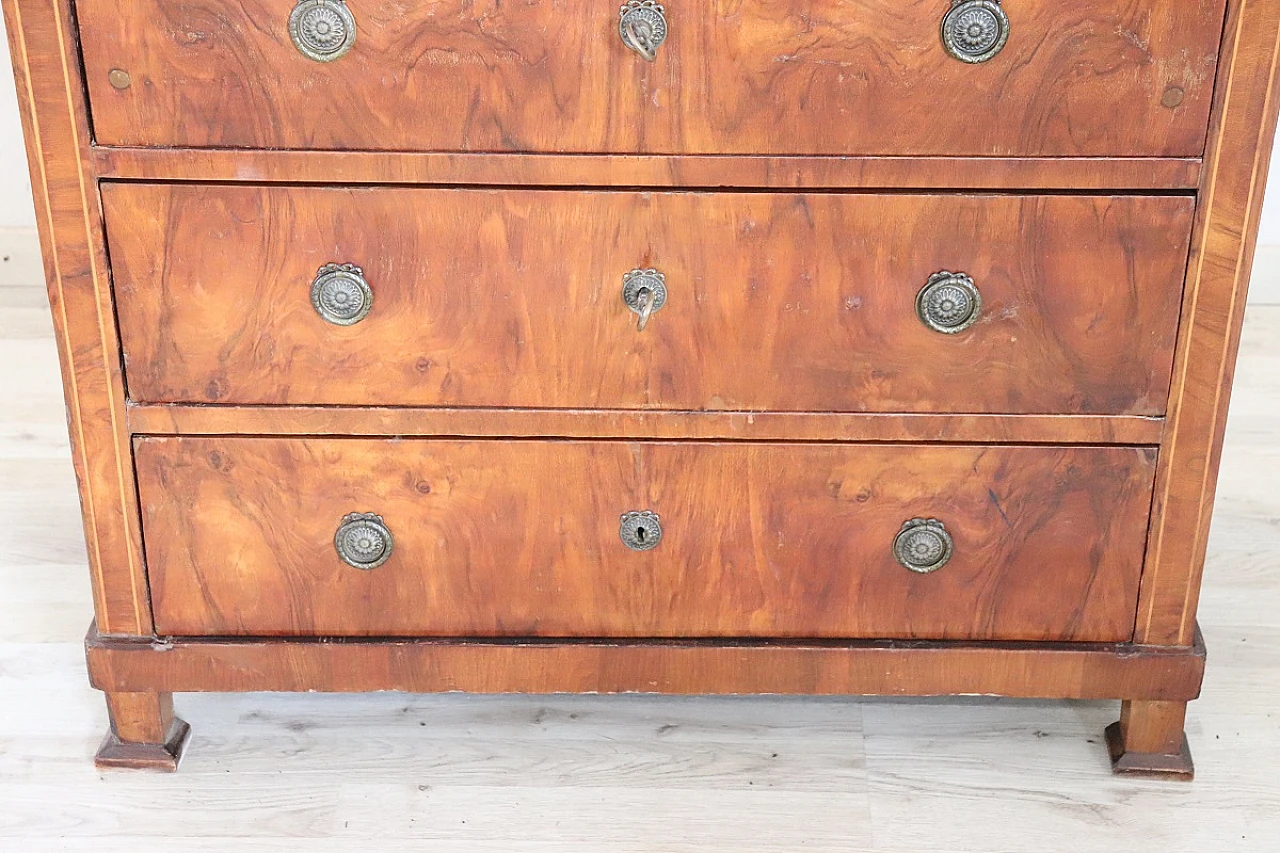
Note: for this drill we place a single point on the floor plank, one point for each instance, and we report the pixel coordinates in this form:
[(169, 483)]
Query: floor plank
[(279, 773)]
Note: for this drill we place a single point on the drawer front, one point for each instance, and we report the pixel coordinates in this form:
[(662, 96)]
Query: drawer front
[(1091, 77), (526, 538), (774, 301)]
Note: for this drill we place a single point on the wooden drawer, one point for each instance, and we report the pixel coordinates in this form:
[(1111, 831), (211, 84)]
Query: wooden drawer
[(1091, 77), (523, 538), (775, 301)]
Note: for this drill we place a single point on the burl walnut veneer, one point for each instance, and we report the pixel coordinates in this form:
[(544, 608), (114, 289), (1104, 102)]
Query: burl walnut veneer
[(835, 347)]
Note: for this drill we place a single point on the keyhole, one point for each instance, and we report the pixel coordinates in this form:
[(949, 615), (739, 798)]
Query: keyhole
[(640, 531)]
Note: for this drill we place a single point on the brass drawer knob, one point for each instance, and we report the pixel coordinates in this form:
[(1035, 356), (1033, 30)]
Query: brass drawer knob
[(640, 531), (644, 292), (322, 30), (949, 302), (923, 545), (341, 295), (363, 541), (975, 30), (643, 27)]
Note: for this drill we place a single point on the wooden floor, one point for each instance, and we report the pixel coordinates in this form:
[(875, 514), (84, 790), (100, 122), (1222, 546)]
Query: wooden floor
[(391, 772)]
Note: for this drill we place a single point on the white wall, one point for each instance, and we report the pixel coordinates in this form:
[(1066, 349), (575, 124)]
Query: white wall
[(16, 210), (1269, 234), (1264, 288)]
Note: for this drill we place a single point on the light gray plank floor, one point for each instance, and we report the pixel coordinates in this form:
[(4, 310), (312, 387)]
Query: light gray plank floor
[(475, 774)]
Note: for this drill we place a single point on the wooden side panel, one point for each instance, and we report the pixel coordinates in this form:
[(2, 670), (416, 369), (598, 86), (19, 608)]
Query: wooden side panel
[(521, 538), (779, 302), (49, 93), (1222, 259), (1092, 77)]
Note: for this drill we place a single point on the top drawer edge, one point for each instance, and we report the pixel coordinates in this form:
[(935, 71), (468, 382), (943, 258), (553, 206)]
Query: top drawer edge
[(1021, 78), (1081, 174)]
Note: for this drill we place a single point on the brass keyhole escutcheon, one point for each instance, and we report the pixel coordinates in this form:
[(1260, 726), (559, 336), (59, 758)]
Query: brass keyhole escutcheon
[(640, 531)]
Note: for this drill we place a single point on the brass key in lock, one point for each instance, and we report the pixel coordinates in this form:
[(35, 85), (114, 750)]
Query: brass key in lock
[(643, 27), (644, 292)]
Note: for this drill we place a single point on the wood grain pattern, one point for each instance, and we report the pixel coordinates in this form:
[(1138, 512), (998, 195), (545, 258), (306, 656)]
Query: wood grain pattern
[(1079, 174), (1043, 670), (520, 538), (776, 301), (50, 95), (735, 77), (1217, 283), (581, 423)]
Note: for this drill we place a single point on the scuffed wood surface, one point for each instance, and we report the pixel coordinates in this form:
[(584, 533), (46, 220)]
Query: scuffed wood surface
[(736, 667)]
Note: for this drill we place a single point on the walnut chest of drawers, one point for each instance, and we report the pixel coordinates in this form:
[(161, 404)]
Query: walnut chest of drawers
[(824, 347)]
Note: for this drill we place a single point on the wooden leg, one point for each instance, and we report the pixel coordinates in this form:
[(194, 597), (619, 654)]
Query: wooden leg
[(1149, 741), (144, 733)]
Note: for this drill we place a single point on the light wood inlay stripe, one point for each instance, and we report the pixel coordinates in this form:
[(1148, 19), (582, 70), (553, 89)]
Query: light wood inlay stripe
[(535, 423), (598, 170)]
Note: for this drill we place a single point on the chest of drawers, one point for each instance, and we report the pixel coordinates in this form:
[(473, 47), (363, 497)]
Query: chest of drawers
[(819, 347)]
